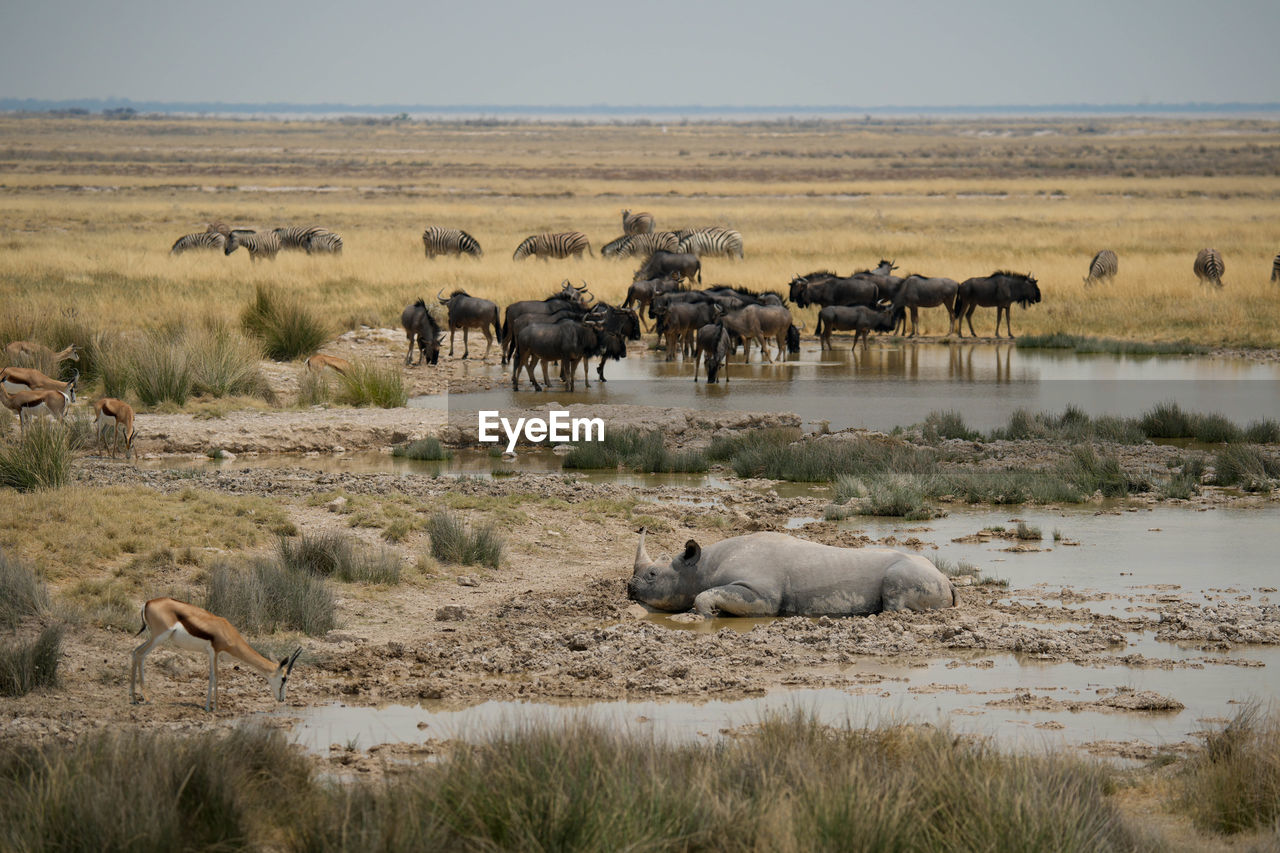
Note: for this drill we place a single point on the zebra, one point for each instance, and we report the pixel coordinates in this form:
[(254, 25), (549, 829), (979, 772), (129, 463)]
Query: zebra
[(1103, 267), (203, 240), (219, 227), (1209, 266), (636, 223), (298, 237), (562, 245), (449, 241), (1275, 269), (712, 241), (324, 243), (265, 245), (642, 245)]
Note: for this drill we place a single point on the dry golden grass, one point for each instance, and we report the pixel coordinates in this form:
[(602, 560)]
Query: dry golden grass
[(94, 205)]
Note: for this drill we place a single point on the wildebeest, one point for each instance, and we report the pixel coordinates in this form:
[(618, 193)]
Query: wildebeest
[(420, 326), (661, 264), (858, 319), (469, 312), (562, 245), (1209, 267), (712, 347), (642, 293), (567, 341), (999, 290), (682, 320), (636, 223), (917, 291), (623, 324), (1103, 267), (568, 296), (827, 288), (757, 322)]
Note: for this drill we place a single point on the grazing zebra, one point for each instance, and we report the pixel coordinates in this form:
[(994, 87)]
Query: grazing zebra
[(297, 238), (324, 243), (1275, 269), (712, 241), (640, 244), (562, 245), (203, 240), (219, 227), (449, 241), (1209, 266), (636, 223), (1103, 267), (264, 245)]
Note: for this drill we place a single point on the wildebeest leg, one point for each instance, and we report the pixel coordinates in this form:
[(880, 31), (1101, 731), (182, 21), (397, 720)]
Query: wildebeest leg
[(600, 369), (586, 371), (697, 359), (915, 321), (408, 357), (736, 600), (764, 349), (452, 331), (488, 342), (528, 366), (968, 316), (466, 348)]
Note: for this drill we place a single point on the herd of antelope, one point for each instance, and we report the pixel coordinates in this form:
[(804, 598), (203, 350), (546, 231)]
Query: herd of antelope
[(30, 393)]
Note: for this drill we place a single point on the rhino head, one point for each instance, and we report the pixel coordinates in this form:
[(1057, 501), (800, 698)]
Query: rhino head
[(669, 584)]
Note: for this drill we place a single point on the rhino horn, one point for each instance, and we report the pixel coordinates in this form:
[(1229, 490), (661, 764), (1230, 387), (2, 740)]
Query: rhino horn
[(643, 561)]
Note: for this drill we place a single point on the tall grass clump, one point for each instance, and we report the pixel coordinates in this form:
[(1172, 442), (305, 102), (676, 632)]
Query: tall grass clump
[(1247, 466), (947, 425), (265, 597), (454, 541), (23, 593), (314, 388), (160, 370), (56, 331), (28, 664), (287, 329), (239, 790), (817, 460), (371, 384), (1083, 344), (1233, 784), (901, 495), (423, 449), (1266, 431), (724, 447), (223, 362), (635, 450), (38, 457), (1090, 472), (339, 555)]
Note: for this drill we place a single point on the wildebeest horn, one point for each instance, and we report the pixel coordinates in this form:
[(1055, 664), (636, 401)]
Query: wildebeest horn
[(439, 296), (642, 556)]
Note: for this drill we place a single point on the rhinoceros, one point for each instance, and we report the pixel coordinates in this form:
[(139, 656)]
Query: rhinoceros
[(772, 574)]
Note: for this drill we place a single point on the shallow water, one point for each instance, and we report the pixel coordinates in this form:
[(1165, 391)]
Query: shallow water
[(899, 383)]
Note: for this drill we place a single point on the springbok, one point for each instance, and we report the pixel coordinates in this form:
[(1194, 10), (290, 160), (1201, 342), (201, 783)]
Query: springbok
[(318, 362), (197, 630), (18, 379), (118, 415), (30, 352), (33, 404)]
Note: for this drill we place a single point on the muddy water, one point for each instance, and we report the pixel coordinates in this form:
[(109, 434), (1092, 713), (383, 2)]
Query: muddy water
[(898, 383)]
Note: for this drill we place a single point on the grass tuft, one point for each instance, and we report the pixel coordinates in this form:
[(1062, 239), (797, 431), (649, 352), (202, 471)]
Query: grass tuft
[(453, 541), (23, 593), (424, 449), (370, 384), (287, 329), (1247, 466), (340, 556), (635, 450), (1233, 784), (265, 597), (28, 664), (38, 457)]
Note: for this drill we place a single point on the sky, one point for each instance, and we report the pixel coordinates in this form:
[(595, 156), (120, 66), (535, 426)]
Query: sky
[(656, 52)]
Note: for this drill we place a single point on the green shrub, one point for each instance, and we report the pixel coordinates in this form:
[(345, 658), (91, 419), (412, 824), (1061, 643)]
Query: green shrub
[(725, 447), (1028, 532), (264, 597), (1166, 420), (22, 593), (38, 457), (223, 363), (900, 496), (1247, 466), (1266, 431), (160, 370), (371, 384), (339, 555), (287, 329), (947, 425), (635, 450), (425, 449), (28, 664), (453, 541)]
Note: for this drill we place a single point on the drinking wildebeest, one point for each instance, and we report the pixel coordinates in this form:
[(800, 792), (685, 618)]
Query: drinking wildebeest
[(682, 321), (999, 290), (568, 342), (858, 319), (622, 323), (773, 574), (712, 348), (661, 264), (419, 325), (757, 322), (827, 288), (643, 292), (568, 296), (916, 292), (467, 312)]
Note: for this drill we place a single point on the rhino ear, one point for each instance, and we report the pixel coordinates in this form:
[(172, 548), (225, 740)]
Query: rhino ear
[(691, 552)]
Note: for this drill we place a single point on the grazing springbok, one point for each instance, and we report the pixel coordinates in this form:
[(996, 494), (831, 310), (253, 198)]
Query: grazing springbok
[(19, 379), (196, 630), (118, 415), (30, 352), (33, 404), (318, 362)]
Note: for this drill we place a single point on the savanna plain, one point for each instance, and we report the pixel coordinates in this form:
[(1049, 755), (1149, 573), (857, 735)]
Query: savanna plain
[(414, 568)]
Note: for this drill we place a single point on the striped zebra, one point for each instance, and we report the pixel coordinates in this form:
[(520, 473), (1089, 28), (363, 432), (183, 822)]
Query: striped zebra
[(324, 243), (1275, 269), (636, 223), (204, 240), (219, 227), (1209, 267), (712, 241), (641, 245), (449, 241), (296, 238), (562, 245), (264, 245), (1103, 267)]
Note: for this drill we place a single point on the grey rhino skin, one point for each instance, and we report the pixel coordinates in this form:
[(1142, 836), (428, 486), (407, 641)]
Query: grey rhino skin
[(772, 574)]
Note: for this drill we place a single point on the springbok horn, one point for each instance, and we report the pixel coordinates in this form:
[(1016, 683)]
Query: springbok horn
[(642, 556), (439, 297), (293, 658)]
